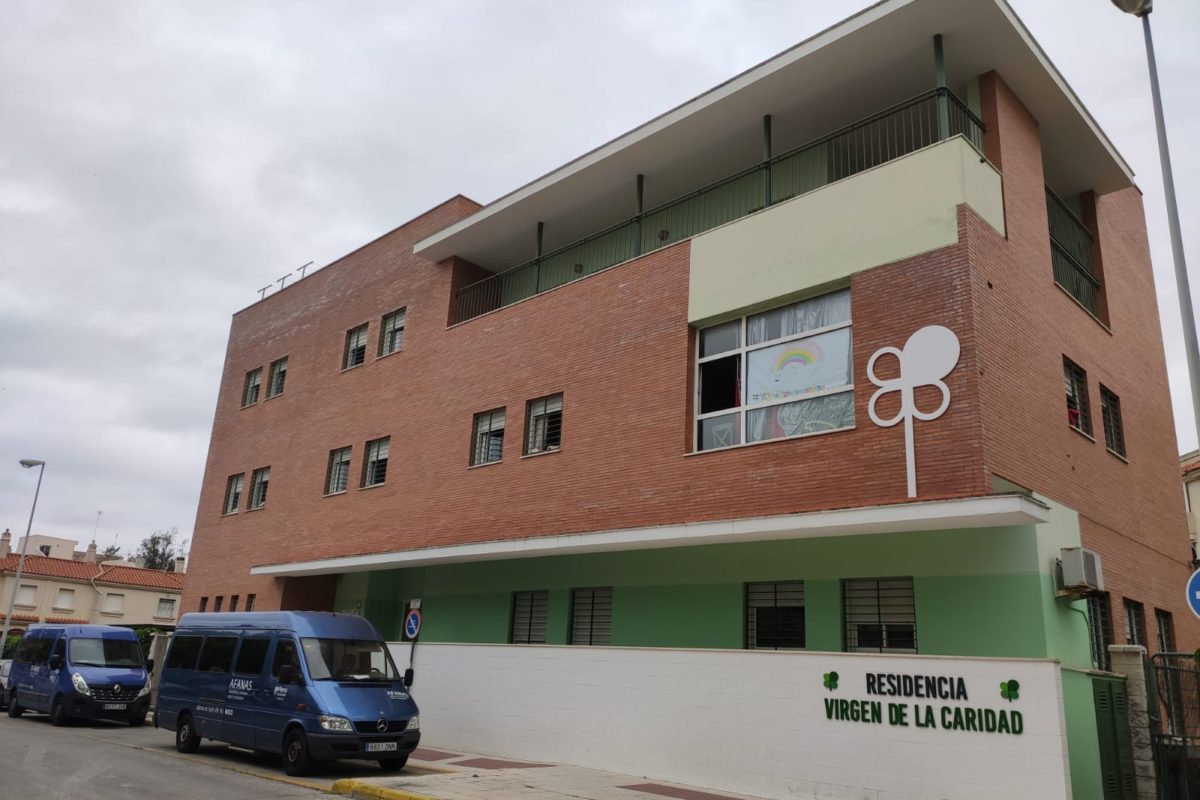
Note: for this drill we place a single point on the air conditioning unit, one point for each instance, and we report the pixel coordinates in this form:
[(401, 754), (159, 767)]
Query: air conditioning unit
[(1081, 572)]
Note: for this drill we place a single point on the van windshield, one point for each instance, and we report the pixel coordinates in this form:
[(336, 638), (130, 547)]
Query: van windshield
[(348, 660), (105, 653)]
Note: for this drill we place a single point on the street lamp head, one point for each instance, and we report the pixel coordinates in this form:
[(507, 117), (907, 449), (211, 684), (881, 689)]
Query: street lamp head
[(31, 462), (1138, 8)]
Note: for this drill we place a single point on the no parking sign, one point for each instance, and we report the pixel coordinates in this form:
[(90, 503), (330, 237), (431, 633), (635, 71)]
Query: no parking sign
[(1193, 593), (412, 623)]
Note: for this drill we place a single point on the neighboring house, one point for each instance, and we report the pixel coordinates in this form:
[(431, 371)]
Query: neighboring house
[(860, 396), (69, 591), (1189, 467)]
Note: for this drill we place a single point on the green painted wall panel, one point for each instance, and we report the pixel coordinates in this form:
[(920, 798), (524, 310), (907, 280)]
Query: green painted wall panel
[(981, 615), (1083, 742), (823, 614), (708, 615), (482, 618)]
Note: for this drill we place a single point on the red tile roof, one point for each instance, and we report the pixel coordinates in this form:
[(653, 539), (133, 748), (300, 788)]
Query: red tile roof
[(69, 569)]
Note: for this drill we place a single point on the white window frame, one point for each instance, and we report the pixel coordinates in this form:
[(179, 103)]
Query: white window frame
[(491, 428), (158, 612), (376, 451), (112, 606), (391, 333), (277, 375), (537, 424), (233, 502), (23, 599), (329, 471), (742, 351), (352, 344), (253, 381), (260, 482)]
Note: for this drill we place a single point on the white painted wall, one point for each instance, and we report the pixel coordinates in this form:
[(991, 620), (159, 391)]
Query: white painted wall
[(752, 722)]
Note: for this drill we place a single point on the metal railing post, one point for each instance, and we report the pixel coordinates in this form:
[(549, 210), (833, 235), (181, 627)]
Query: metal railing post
[(537, 260), (943, 100), (766, 160), (637, 217)]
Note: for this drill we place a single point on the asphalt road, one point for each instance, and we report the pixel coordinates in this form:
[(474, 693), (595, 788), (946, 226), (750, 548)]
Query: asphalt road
[(111, 761)]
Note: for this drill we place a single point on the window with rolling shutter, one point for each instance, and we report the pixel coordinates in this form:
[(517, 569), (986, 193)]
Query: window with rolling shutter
[(529, 613), (591, 615)]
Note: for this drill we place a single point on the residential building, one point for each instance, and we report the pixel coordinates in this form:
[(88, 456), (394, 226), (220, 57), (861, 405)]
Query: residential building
[(67, 590), (1189, 468), (877, 353)]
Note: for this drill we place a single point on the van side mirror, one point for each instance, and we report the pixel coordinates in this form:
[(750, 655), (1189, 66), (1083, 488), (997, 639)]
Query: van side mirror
[(56, 662), (287, 674), (408, 677)]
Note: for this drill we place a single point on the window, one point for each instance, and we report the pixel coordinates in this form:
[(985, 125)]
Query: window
[(217, 603), (250, 602), (488, 437), (543, 424), (27, 595), (1166, 631), (65, 601), (356, 347), (1100, 628), (277, 377), (784, 372), (184, 650), (1135, 623), (775, 616), (252, 656), (1110, 412), (217, 654), (233, 602), (233, 493), (166, 608), (392, 337), (285, 654), (250, 390), (529, 613), (1079, 409), (338, 474), (114, 603), (203, 604), (258, 487), (880, 615), (375, 464), (591, 615)]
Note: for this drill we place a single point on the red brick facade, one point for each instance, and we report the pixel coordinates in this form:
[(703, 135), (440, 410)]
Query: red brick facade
[(619, 348)]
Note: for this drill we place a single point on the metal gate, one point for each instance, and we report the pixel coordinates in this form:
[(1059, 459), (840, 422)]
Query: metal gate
[(1174, 704), (1116, 744)]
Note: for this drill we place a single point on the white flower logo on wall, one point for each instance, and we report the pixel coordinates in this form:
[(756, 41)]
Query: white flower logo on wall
[(928, 356)]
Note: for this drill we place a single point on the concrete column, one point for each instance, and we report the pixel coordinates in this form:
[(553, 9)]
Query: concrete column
[(1129, 660)]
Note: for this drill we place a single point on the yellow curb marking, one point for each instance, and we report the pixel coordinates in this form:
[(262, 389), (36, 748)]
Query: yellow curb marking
[(369, 791)]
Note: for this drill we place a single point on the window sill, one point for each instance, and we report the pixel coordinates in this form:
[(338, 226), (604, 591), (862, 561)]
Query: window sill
[(169, 619), (373, 486), (1115, 454), (257, 508), (27, 607), (768, 441), (248, 405), (356, 366), (1084, 434), (273, 396), (334, 494), (547, 452), (65, 610), (228, 513), (486, 464), (112, 613), (385, 355)]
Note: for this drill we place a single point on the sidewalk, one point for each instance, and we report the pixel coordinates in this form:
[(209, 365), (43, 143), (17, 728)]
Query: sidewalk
[(456, 775)]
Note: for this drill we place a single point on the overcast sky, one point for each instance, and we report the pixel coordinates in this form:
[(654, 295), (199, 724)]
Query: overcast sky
[(161, 161)]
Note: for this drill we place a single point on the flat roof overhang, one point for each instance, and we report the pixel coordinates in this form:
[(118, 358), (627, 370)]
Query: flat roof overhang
[(870, 61), (992, 511)]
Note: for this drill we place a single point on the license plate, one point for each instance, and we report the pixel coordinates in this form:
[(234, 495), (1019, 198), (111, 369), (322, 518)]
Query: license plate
[(114, 706), (379, 747)]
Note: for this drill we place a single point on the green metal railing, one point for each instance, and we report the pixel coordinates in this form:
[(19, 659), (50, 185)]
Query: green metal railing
[(897, 131), (1071, 253)]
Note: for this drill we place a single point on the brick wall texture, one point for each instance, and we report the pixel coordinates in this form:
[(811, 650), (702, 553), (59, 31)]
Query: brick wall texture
[(618, 347)]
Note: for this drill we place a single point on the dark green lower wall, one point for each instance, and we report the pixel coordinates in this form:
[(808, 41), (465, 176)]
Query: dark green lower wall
[(978, 592)]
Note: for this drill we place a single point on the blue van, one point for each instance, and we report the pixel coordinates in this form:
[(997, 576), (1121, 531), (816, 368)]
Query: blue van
[(311, 686), (79, 672)]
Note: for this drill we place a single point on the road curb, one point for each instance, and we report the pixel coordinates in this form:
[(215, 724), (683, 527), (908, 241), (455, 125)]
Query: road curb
[(361, 790)]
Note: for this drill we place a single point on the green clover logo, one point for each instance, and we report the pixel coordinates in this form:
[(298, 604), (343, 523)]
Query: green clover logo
[(1010, 690), (830, 680)]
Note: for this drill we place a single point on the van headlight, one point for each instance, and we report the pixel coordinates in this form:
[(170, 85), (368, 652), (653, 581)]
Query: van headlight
[(144, 691), (81, 685), (414, 724), (338, 724)]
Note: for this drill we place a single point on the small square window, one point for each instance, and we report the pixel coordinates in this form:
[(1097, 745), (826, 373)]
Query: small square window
[(488, 437), (880, 615), (277, 377), (391, 338), (27, 595), (1114, 430), (233, 493), (258, 487), (166, 608), (775, 616), (250, 388), (356, 347), (338, 475), (543, 424), (591, 615), (114, 603), (65, 601), (1079, 409), (375, 464)]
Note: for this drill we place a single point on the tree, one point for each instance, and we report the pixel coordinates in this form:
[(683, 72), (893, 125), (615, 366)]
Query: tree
[(158, 549), (110, 552)]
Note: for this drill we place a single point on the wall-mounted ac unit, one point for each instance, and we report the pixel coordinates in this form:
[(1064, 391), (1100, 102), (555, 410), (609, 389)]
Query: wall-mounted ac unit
[(1081, 572)]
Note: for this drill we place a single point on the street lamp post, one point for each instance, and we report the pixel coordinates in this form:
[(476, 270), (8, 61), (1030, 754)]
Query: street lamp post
[(12, 600), (1142, 8)]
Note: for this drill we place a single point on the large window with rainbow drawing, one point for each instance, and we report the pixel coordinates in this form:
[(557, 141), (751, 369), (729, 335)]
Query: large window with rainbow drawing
[(782, 373)]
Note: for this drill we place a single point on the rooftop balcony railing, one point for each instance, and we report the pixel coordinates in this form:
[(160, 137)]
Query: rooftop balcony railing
[(1071, 253), (897, 131)]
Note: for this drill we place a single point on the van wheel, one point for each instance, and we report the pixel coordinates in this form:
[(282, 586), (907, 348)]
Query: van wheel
[(186, 738), (14, 708), (296, 759), (58, 713), (393, 764)]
